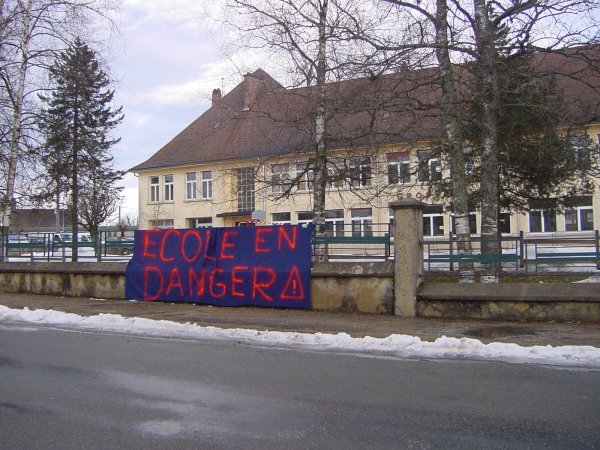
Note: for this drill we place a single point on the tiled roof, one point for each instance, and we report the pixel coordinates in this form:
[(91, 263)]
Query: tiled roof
[(260, 118)]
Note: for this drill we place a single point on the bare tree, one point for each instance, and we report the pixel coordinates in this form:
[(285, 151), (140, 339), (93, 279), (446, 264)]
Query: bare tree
[(31, 33), (512, 29), (432, 22), (483, 35), (312, 37)]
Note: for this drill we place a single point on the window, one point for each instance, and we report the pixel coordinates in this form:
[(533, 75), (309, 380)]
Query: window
[(154, 189), (579, 219), (433, 220), (200, 222), (305, 217), (334, 179), (504, 222), (190, 186), (469, 161), (542, 216), (245, 189), (168, 179), (207, 184), (472, 223), (581, 148), (281, 218), (542, 221), (305, 177), (362, 222), (162, 223), (360, 172), (430, 169), (279, 178), (334, 221), (579, 214), (398, 165)]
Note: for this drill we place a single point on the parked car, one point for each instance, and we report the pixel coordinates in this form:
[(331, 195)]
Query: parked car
[(41, 240), (17, 239), (117, 245), (68, 237)]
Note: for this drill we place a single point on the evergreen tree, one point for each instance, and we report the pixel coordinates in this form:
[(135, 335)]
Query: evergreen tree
[(541, 153), (77, 123)]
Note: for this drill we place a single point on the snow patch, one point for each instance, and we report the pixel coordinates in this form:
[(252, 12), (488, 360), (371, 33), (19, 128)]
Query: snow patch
[(394, 345)]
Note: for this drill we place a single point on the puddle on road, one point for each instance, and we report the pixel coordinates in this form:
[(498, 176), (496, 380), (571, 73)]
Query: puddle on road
[(498, 331)]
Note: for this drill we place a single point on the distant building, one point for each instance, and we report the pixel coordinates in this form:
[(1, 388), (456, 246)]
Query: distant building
[(38, 220)]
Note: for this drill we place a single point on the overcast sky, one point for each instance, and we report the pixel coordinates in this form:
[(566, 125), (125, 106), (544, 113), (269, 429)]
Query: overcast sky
[(165, 64)]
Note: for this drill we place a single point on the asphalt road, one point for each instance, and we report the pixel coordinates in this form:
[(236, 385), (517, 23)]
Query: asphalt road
[(63, 389)]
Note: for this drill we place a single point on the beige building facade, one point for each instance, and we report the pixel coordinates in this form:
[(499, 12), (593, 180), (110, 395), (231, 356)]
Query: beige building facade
[(223, 194)]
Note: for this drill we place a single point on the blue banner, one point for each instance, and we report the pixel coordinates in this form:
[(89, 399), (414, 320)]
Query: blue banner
[(264, 266)]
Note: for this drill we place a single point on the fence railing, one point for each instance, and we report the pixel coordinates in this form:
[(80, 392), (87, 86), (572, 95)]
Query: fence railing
[(521, 253), (357, 241), (51, 247)]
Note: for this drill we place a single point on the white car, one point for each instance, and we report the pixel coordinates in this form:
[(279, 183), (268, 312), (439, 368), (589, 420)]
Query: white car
[(68, 237)]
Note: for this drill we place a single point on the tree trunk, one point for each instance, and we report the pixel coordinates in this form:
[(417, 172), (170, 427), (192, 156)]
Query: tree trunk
[(320, 170), (455, 143), (75, 186), (488, 85), (15, 141)]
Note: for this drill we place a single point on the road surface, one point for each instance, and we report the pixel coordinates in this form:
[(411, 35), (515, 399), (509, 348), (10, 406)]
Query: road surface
[(65, 389)]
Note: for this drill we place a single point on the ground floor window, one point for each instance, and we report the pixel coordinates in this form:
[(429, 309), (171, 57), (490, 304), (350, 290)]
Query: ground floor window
[(281, 218), (162, 223), (542, 215), (504, 222), (579, 219), (433, 220), (472, 223), (334, 221), (362, 222), (305, 217), (579, 214), (542, 220), (200, 222)]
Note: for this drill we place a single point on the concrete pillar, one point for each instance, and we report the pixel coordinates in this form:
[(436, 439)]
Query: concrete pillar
[(408, 254)]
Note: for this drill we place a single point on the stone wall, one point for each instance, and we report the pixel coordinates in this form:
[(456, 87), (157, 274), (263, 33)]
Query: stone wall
[(365, 287), (353, 287), (561, 302), (95, 280), (348, 287)]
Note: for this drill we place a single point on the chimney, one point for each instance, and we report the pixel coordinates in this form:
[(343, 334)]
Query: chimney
[(252, 87), (216, 97)]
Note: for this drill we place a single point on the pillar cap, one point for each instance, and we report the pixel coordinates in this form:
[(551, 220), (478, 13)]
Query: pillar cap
[(407, 203)]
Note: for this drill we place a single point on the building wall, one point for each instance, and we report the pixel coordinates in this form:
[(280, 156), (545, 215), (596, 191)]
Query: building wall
[(222, 206)]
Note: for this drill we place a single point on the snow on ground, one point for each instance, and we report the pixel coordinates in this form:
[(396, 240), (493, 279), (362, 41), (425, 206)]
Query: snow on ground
[(393, 345), (592, 279), (85, 255)]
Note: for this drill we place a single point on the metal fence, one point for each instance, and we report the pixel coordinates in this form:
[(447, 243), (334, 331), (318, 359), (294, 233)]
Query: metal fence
[(357, 241), (524, 253), (55, 247)]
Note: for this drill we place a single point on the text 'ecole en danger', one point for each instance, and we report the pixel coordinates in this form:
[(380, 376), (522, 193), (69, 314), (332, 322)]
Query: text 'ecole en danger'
[(265, 266)]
